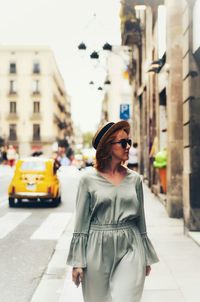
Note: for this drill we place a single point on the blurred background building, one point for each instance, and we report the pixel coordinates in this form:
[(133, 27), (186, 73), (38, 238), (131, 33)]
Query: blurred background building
[(118, 92), (165, 76), (35, 107), (152, 81)]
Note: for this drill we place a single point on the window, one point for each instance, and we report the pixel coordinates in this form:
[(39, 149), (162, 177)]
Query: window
[(36, 107), (33, 165), (12, 132), (13, 68), (36, 132), (13, 86), (36, 86), (36, 68), (13, 107)]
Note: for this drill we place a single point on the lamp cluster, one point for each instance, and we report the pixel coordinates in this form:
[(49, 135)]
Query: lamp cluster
[(95, 56)]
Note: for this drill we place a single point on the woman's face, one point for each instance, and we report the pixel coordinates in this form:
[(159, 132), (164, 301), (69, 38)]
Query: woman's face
[(118, 151)]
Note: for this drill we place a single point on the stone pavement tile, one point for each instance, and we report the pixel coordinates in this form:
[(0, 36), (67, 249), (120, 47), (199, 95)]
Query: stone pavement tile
[(58, 259), (48, 290), (162, 296), (64, 241), (70, 293), (179, 257), (160, 278), (190, 286)]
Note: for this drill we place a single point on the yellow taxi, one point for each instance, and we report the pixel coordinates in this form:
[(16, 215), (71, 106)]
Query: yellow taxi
[(34, 180)]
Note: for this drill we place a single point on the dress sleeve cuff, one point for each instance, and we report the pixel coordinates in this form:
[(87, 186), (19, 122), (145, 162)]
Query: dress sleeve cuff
[(150, 254), (77, 250)]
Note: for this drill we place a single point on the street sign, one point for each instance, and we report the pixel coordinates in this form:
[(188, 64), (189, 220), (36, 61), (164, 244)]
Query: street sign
[(124, 111)]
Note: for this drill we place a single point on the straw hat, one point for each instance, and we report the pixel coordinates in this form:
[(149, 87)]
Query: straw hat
[(104, 132)]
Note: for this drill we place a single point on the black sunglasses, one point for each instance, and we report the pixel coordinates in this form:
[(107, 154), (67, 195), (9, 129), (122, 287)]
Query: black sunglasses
[(123, 142)]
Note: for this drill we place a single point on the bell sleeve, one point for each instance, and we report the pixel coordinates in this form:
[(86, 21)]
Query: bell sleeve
[(150, 254), (77, 250)]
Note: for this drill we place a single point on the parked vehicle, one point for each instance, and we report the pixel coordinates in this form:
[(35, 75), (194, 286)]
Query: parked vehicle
[(34, 180)]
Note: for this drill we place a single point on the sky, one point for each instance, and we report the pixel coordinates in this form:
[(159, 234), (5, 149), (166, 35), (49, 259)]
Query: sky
[(63, 25)]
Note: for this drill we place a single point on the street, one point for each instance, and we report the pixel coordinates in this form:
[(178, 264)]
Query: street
[(28, 236), (35, 241)]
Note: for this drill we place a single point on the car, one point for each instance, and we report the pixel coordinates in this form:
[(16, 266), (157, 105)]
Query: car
[(34, 180)]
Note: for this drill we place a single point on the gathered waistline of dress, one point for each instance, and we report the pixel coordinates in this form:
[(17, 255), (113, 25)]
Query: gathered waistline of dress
[(112, 226)]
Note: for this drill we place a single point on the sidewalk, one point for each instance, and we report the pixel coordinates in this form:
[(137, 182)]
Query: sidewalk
[(175, 278)]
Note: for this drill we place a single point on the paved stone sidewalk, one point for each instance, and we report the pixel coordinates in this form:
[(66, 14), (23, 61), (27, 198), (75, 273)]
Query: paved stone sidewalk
[(176, 278)]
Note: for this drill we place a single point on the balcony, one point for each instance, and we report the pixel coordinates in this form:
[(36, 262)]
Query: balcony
[(12, 116), (12, 93), (61, 107), (56, 119), (36, 93), (36, 116), (60, 123), (42, 139), (12, 139)]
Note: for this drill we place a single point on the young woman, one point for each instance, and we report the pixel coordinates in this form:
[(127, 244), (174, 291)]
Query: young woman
[(110, 251)]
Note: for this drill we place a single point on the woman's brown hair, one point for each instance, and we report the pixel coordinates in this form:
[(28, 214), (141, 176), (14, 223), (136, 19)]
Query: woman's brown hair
[(103, 154)]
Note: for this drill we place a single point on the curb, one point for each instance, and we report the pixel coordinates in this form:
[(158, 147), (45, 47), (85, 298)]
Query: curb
[(53, 279), (195, 236)]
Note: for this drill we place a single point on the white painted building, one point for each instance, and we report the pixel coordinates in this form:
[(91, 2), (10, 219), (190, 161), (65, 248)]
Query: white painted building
[(34, 106), (119, 92)]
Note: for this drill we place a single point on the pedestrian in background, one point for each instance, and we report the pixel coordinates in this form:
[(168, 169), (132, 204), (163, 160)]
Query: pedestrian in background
[(133, 157), (62, 156), (110, 252), (11, 155), (4, 155), (70, 154)]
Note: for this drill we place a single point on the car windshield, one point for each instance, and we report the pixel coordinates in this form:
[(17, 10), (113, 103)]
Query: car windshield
[(34, 166)]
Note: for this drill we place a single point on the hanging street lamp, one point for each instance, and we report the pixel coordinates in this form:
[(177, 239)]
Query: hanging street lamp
[(82, 46), (107, 82), (94, 55), (107, 46)]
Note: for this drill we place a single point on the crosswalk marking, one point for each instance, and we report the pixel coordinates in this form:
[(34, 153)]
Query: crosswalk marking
[(10, 221), (52, 227)]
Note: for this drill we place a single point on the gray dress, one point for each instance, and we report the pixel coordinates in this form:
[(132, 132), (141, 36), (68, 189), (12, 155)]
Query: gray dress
[(110, 240)]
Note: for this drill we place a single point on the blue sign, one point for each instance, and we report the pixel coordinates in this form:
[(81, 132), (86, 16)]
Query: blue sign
[(124, 111)]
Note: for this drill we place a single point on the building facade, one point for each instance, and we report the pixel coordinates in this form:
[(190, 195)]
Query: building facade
[(35, 108), (117, 99), (165, 78)]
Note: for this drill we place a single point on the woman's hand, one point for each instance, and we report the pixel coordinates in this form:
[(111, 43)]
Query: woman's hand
[(77, 275), (148, 269)]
